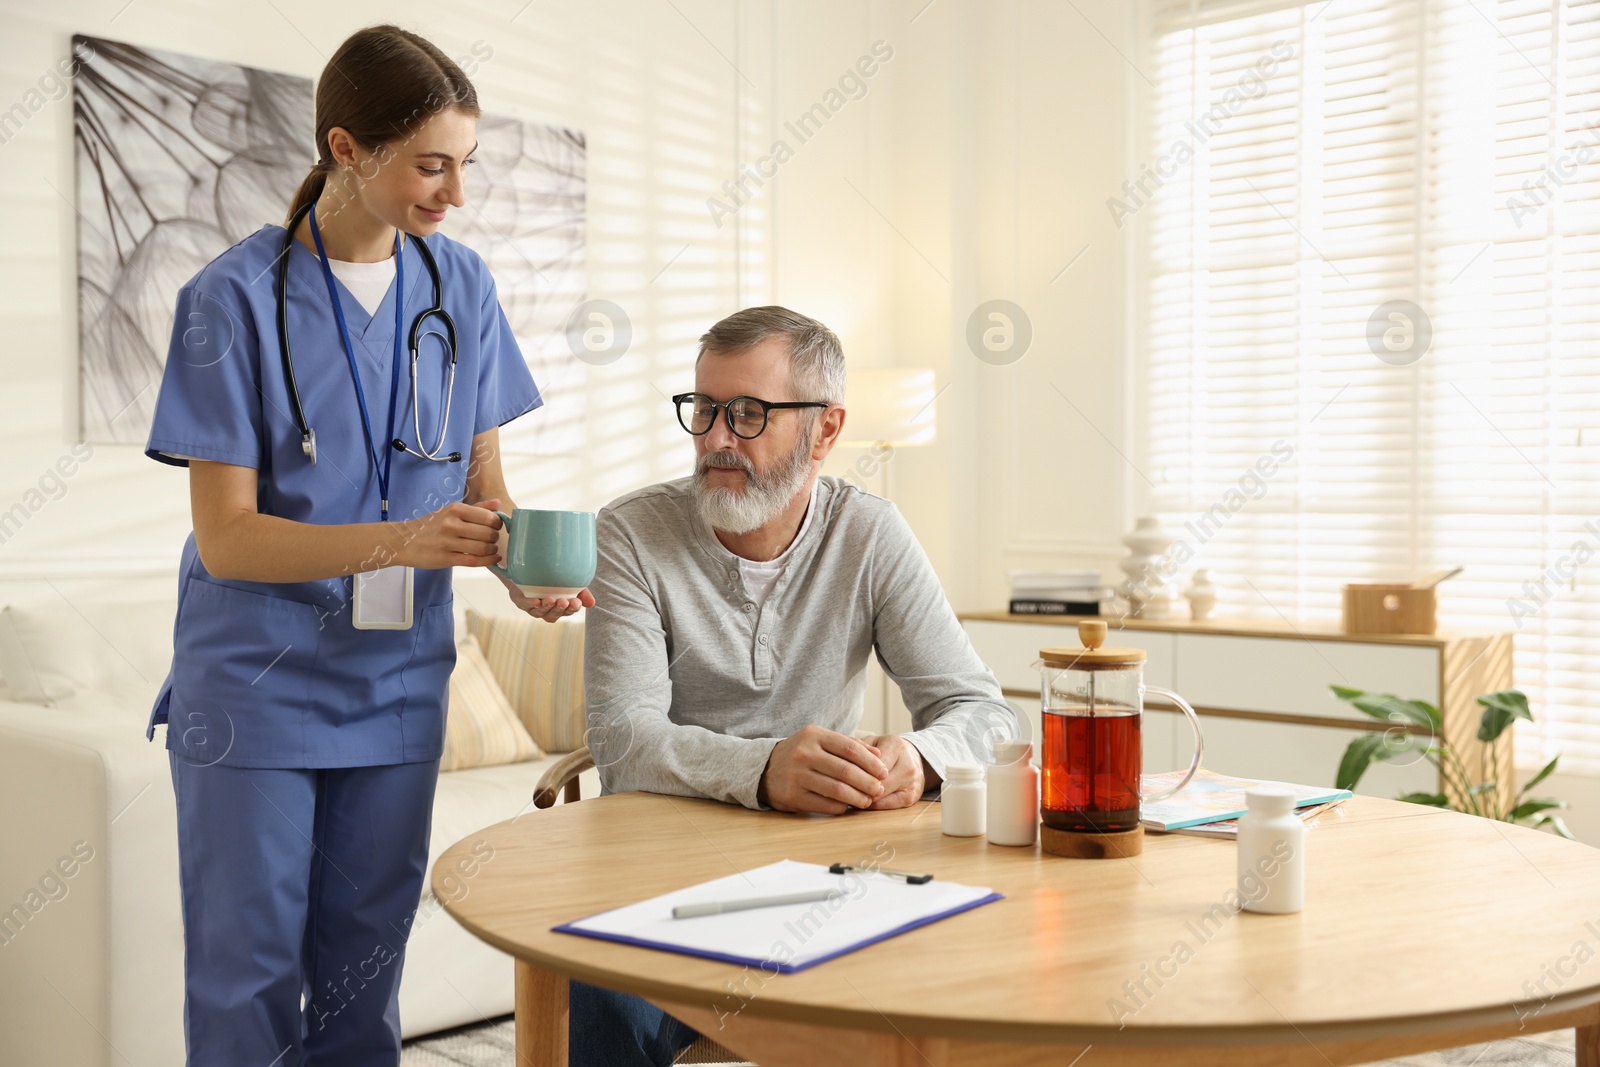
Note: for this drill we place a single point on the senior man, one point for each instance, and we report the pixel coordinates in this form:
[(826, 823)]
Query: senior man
[(735, 610)]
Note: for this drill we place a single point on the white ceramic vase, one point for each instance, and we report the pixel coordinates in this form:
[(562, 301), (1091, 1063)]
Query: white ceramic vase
[(1145, 588)]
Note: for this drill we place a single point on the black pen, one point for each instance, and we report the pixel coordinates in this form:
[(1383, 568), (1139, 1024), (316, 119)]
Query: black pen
[(909, 877)]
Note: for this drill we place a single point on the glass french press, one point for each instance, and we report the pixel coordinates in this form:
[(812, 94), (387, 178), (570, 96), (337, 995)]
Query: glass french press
[(1092, 704)]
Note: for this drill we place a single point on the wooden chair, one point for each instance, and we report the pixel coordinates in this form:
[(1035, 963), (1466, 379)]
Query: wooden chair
[(561, 780)]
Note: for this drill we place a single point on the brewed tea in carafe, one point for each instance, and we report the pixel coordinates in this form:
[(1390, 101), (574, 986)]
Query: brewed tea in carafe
[(1092, 702)]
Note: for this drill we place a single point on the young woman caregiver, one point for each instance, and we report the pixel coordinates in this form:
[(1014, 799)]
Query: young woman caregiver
[(305, 707)]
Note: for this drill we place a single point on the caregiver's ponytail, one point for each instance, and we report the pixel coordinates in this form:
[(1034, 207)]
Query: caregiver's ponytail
[(311, 188)]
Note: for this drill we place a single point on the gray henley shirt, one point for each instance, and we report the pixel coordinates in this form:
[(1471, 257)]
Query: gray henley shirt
[(689, 683)]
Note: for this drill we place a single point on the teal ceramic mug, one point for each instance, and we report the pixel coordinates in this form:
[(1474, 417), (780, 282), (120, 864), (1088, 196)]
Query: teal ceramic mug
[(548, 553)]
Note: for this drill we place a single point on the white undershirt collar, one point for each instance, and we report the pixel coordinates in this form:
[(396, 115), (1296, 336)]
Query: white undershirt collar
[(761, 575), (367, 282)]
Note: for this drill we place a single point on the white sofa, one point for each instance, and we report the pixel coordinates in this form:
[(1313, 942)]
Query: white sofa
[(91, 938)]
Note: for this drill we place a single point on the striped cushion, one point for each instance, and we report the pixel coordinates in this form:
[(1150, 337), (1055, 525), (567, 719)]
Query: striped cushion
[(480, 729), (540, 668)]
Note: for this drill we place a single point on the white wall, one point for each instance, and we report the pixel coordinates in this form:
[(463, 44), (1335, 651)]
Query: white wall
[(976, 168)]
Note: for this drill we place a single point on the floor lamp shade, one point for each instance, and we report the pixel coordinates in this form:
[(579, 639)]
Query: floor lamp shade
[(893, 405)]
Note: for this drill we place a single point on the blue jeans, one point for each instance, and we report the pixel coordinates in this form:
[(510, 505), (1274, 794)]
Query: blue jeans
[(610, 1029)]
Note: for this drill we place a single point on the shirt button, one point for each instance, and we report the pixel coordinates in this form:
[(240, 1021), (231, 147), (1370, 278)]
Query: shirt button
[(749, 608), (762, 639)]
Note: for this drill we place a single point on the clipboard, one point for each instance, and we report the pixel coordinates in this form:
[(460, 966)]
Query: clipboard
[(787, 938)]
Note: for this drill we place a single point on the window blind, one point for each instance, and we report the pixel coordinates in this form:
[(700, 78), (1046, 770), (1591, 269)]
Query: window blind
[(1311, 165)]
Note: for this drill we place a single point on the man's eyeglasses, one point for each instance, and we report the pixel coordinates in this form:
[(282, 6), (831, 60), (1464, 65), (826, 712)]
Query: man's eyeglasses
[(747, 415)]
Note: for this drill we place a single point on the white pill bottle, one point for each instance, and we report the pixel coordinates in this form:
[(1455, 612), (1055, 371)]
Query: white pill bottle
[(962, 800), (1272, 852), (1013, 809)]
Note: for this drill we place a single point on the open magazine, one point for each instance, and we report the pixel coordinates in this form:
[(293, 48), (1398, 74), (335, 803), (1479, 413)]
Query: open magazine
[(1213, 803)]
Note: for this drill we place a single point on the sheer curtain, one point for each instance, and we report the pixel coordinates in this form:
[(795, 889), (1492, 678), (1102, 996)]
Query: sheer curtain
[(1368, 349)]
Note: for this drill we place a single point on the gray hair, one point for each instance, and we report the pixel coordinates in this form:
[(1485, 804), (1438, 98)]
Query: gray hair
[(816, 359)]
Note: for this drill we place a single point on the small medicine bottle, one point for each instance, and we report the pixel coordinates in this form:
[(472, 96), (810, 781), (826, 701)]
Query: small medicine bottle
[(1013, 800), (1272, 861), (961, 801)]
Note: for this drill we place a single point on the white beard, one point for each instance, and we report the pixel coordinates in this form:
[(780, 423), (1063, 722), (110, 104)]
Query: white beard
[(738, 511)]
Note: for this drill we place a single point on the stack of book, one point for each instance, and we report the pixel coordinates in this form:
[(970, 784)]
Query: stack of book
[(1057, 593)]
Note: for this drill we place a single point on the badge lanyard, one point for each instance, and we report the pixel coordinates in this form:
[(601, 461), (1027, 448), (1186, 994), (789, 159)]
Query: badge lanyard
[(382, 469), (380, 599)]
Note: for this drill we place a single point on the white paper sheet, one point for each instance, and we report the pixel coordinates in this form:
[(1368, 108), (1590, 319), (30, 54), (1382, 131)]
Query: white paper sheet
[(788, 937)]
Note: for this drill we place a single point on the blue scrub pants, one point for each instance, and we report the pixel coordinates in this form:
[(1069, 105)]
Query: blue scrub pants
[(610, 1029), (298, 883)]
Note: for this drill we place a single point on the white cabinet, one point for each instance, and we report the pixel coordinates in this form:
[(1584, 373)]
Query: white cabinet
[(1262, 692), (1292, 676)]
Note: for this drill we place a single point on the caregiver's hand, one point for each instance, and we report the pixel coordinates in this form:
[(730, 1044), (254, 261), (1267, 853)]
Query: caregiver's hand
[(457, 535), (546, 608)]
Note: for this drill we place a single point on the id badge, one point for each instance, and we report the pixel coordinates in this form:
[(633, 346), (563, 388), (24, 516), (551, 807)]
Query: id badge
[(382, 599)]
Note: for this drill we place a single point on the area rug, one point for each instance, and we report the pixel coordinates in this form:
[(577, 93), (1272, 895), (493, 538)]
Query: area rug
[(491, 1044)]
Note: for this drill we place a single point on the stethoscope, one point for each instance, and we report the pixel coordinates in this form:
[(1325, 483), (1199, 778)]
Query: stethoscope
[(308, 435)]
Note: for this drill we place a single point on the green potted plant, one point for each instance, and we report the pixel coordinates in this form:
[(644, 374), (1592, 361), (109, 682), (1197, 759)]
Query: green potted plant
[(1500, 710)]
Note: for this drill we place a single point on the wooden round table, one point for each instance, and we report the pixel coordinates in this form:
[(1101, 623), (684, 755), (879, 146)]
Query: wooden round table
[(1422, 929)]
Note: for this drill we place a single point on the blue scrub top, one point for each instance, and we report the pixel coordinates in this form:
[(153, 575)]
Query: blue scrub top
[(269, 674)]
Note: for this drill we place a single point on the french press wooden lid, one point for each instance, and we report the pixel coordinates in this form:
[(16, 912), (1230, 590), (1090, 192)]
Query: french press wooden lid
[(1092, 657)]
